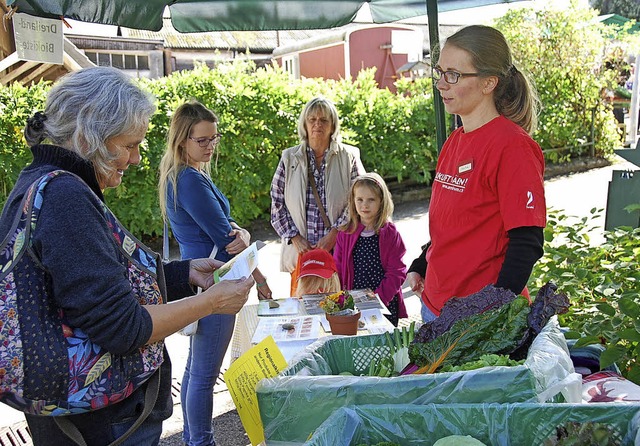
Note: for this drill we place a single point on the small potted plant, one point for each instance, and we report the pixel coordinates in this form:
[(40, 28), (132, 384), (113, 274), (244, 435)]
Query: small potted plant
[(341, 313)]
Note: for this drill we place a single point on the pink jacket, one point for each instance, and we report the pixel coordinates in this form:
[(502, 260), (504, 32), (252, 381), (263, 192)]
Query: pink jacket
[(391, 252)]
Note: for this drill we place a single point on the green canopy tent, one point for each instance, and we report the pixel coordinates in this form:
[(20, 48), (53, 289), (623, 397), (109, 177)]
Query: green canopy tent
[(253, 15), (620, 21)]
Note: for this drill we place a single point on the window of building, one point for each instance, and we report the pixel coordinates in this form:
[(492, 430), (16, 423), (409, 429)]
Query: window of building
[(291, 65), (127, 62), (104, 60), (130, 62), (143, 62), (117, 61)]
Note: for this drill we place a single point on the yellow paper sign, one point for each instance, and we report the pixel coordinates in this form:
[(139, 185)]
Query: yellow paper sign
[(265, 360)]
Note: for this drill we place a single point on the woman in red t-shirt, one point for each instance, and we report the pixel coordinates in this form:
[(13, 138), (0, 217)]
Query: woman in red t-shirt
[(487, 209)]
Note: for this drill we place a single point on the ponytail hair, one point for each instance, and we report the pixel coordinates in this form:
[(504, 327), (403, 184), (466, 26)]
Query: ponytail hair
[(515, 96), (34, 132), (85, 108)]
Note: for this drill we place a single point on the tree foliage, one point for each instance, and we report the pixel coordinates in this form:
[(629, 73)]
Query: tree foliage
[(17, 103), (564, 51)]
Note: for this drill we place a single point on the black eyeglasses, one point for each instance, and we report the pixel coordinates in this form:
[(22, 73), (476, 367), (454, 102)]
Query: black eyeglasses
[(204, 142), (450, 77)]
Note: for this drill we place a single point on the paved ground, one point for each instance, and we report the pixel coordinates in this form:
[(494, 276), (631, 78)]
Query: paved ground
[(576, 194)]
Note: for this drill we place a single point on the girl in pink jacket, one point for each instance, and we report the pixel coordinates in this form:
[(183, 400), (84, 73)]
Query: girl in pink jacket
[(369, 249)]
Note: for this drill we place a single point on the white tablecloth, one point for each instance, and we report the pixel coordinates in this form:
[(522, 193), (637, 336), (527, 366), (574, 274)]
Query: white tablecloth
[(246, 323)]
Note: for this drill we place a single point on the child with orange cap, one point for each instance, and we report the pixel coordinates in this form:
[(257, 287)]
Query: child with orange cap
[(318, 273)]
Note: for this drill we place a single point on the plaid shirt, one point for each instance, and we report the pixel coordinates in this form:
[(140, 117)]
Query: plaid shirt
[(280, 217)]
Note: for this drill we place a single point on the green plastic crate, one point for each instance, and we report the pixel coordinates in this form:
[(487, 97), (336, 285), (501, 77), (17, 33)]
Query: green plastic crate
[(510, 424), (293, 404)]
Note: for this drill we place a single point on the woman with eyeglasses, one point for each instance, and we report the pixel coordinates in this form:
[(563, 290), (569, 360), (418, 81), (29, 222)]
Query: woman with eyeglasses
[(487, 209), (311, 185), (200, 219)]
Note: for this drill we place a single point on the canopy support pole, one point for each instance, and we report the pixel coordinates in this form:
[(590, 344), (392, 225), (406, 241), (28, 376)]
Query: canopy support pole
[(434, 43)]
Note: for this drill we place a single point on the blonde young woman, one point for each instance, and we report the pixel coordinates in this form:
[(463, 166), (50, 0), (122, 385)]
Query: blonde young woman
[(487, 209), (199, 215)]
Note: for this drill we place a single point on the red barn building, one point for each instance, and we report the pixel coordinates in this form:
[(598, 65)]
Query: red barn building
[(342, 54)]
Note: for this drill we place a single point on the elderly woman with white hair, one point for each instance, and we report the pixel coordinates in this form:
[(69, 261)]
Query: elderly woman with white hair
[(310, 188), (94, 306)]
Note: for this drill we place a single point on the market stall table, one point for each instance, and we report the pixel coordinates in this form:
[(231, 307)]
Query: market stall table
[(248, 320)]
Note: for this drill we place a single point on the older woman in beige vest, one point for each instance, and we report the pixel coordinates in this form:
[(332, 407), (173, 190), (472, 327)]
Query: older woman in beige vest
[(310, 188)]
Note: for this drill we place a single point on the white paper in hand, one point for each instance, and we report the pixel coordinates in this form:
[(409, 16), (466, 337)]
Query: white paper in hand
[(241, 265)]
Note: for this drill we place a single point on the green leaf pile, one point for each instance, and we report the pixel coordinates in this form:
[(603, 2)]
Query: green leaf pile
[(496, 331)]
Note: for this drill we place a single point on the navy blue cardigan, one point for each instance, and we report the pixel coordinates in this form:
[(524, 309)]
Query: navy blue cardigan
[(89, 280)]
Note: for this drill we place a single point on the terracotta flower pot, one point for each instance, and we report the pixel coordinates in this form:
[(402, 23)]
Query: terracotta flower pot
[(344, 325)]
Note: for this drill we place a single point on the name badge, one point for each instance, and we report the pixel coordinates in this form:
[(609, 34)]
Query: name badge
[(466, 166)]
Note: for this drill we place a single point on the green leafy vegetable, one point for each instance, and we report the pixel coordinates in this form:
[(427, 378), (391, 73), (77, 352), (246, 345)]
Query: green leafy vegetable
[(398, 343), (496, 331), (490, 360), (457, 308), (506, 330)]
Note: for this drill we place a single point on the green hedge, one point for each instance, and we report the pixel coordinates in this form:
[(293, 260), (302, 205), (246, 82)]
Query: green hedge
[(566, 59), (17, 103), (258, 111)]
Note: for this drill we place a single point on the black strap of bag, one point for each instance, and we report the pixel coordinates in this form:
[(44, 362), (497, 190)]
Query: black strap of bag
[(165, 242), (312, 181), (150, 398)]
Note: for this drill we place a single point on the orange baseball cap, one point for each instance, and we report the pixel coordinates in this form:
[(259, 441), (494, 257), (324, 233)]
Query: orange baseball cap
[(317, 262)]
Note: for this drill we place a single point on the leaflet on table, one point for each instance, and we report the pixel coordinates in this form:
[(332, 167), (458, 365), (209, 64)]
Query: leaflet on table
[(279, 307), (364, 299), (242, 265), (294, 328), (375, 322)]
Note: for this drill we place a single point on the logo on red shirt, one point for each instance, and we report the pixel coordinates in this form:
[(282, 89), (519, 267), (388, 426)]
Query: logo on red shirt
[(451, 182), (530, 200)]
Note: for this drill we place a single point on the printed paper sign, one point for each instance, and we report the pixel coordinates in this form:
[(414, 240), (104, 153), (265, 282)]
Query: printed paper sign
[(262, 361), (38, 39), (292, 328)]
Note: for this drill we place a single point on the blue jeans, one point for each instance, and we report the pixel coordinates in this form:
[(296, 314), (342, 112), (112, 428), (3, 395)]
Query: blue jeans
[(426, 313), (206, 353), (148, 433), (44, 431)]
